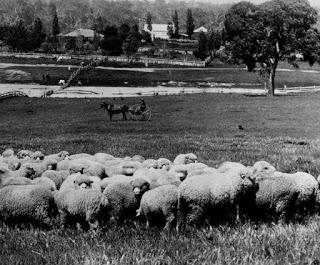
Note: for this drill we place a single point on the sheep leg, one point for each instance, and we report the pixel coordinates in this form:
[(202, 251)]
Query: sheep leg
[(170, 219)]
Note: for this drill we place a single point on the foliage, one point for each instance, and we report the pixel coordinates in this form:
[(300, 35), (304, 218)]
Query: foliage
[(146, 36), (149, 21), (202, 51), (170, 30), (37, 34), (269, 33), (175, 20), (190, 23), (133, 41), (55, 25)]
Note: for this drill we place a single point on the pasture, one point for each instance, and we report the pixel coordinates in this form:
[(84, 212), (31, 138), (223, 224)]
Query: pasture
[(218, 74), (281, 130)]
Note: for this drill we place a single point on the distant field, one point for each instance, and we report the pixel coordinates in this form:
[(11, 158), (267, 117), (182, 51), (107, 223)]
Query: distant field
[(282, 130), (191, 77)]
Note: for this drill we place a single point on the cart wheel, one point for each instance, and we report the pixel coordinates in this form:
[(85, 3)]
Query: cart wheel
[(133, 110), (142, 116)]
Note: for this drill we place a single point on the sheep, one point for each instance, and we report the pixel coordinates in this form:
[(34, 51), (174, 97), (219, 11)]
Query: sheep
[(275, 198), (27, 204), (124, 168), (185, 159), (307, 186), (116, 178), (230, 166), (87, 207), (159, 204), (8, 152), (6, 173), (150, 163), (70, 165), (37, 155), (124, 197), (81, 155), (138, 158), (40, 167), (157, 177), (73, 181), (23, 154), (102, 157), (164, 163), (214, 197), (58, 157), (56, 176), (45, 182), (304, 184), (13, 162), (185, 170)]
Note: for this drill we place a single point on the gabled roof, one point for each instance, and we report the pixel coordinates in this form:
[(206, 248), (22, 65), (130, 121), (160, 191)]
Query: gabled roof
[(86, 33), (201, 29)]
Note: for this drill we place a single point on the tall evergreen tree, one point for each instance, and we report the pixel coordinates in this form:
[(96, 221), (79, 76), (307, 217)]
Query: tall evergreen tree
[(190, 23), (55, 25), (38, 35), (175, 20), (149, 21)]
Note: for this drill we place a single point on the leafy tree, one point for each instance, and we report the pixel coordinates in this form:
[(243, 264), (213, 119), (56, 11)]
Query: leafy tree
[(17, 36), (124, 31), (202, 51), (215, 41), (170, 31), (149, 21), (38, 36), (146, 36), (55, 25), (133, 41), (175, 20), (112, 42), (266, 34), (190, 23)]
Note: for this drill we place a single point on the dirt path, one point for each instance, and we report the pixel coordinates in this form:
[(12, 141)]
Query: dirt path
[(147, 70), (34, 90)]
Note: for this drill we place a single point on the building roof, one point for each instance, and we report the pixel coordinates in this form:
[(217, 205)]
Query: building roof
[(86, 33), (201, 29), (157, 27)]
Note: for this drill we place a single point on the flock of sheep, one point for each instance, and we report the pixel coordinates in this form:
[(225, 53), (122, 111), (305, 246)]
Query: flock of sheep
[(99, 190)]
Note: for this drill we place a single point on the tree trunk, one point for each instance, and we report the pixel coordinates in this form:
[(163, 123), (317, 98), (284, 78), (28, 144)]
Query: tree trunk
[(271, 81)]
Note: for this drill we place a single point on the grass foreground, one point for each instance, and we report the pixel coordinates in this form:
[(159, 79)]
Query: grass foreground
[(281, 130)]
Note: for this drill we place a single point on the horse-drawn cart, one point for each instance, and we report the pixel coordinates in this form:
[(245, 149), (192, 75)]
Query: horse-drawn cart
[(136, 112)]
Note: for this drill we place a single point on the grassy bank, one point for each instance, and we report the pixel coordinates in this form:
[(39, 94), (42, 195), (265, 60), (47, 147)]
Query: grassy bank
[(282, 130)]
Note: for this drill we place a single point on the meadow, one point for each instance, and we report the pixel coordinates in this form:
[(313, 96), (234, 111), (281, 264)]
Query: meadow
[(281, 130), (217, 74)]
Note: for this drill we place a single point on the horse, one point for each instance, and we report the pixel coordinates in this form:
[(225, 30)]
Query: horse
[(115, 109)]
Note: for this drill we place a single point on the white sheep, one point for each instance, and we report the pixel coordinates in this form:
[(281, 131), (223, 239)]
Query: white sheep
[(157, 177), (73, 181), (124, 168), (40, 166), (150, 163), (6, 173), (186, 170), (116, 178), (58, 177), (28, 204), (214, 197), (185, 159), (164, 163), (58, 156), (103, 157), (124, 197), (160, 204), (88, 207), (8, 152), (138, 158)]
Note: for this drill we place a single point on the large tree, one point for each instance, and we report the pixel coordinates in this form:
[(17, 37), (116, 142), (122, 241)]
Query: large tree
[(55, 25), (175, 20), (266, 34), (149, 21), (190, 23)]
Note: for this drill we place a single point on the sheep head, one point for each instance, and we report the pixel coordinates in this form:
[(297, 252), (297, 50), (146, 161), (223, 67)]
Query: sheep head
[(262, 169), (139, 186)]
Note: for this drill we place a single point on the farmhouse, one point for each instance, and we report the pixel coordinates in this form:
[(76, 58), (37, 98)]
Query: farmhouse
[(159, 31), (86, 34)]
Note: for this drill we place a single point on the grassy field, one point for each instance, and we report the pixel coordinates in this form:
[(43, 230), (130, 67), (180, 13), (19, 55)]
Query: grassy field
[(218, 74), (281, 130)]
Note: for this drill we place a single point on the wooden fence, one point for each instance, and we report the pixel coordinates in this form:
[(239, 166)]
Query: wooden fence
[(144, 60)]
